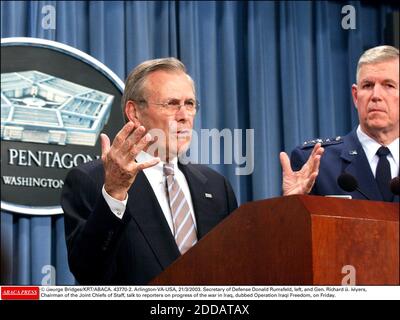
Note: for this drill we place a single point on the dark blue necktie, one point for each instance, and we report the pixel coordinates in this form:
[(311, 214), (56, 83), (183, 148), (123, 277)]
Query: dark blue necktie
[(383, 175)]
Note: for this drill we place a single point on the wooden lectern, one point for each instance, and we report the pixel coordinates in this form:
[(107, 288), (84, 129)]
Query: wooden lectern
[(295, 240)]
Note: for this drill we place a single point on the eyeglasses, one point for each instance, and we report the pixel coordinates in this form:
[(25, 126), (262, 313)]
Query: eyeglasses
[(173, 106)]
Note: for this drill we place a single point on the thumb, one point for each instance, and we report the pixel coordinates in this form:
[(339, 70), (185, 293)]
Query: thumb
[(105, 144), (285, 163)]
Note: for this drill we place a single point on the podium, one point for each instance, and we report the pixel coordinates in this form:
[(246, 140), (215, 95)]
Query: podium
[(295, 240)]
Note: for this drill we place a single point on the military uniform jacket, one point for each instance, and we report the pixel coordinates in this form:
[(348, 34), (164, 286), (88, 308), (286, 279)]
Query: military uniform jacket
[(341, 155)]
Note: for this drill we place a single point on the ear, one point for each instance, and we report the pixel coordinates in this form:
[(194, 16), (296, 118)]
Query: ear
[(131, 111), (354, 91)]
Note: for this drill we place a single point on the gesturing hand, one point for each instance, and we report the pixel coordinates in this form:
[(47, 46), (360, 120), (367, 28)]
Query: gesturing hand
[(120, 167), (302, 181)]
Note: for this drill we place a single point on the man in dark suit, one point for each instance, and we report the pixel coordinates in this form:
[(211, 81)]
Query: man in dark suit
[(129, 215), (370, 153)]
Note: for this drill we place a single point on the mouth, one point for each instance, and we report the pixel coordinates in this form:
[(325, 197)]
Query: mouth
[(183, 133), (376, 110)]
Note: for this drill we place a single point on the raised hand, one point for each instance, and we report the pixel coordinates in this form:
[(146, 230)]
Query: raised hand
[(302, 181), (119, 163)]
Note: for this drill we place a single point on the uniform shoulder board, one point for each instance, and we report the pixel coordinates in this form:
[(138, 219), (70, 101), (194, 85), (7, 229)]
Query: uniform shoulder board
[(323, 142)]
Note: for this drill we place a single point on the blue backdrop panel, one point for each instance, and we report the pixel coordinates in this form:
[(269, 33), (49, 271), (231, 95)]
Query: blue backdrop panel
[(284, 69)]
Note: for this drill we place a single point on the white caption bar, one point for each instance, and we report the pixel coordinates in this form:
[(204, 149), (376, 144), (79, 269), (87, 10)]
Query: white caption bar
[(219, 293)]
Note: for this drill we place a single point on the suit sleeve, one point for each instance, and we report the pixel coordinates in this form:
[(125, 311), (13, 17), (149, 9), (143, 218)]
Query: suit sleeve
[(92, 230), (231, 198)]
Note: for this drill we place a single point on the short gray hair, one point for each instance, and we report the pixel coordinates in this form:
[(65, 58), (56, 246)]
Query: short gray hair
[(135, 88), (376, 55)]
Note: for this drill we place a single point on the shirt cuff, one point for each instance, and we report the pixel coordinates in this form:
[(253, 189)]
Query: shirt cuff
[(117, 207)]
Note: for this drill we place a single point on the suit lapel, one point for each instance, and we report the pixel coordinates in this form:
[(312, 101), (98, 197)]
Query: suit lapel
[(146, 211), (356, 164)]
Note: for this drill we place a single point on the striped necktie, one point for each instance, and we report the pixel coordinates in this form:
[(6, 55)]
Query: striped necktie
[(184, 228)]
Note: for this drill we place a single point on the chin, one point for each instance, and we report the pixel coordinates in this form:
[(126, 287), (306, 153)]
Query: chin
[(378, 123), (182, 148), (378, 120)]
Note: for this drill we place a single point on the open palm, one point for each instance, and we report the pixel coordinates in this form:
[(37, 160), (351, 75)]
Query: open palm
[(302, 181)]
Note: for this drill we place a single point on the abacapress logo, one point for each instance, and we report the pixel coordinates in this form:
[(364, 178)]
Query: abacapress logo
[(19, 293)]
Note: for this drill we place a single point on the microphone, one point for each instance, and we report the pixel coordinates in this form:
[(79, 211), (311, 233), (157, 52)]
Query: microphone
[(395, 186), (349, 184)]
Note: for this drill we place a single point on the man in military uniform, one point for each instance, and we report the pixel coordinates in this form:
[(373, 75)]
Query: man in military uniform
[(370, 153)]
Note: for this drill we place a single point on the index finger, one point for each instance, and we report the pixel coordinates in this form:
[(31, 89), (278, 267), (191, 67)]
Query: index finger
[(315, 149), (316, 157), (123, 134)]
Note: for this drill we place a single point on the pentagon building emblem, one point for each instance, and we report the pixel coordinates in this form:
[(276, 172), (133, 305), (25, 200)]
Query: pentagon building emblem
[(38, 107), (55, 102)]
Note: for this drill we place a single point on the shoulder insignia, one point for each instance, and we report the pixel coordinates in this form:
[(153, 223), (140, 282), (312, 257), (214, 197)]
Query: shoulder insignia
[(323, 142)]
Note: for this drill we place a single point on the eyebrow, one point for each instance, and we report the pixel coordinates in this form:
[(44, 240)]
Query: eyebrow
[(171, 98), (373, 81)]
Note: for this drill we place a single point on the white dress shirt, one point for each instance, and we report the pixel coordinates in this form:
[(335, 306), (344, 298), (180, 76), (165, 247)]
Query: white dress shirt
[(370, 147), (157, 180)]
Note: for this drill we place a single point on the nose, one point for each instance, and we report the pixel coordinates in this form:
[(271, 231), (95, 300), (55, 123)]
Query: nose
[(377, 92), (182, 114)]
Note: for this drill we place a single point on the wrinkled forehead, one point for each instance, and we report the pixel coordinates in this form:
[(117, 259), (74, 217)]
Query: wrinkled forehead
[(383, 70), (170, 83)]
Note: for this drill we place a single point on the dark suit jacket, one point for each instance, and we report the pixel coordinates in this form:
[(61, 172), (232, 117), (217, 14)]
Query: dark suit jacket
[(103, 249), (341, 155)]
